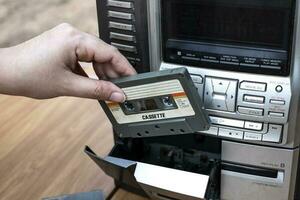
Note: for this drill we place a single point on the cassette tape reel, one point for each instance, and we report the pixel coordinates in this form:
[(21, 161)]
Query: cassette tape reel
[(157, 104)]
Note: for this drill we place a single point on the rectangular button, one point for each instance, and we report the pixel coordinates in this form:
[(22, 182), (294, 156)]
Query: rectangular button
[(257, 126), (227, 122), (250, 111), (231, 133), (123, 47), (197, 78), (120, 4), (261, 87), (254, 99), (121, 26), (276, 114), (119, 36), (277, 102), (120, 15), (274, 133), (212, 130), (252, 136)]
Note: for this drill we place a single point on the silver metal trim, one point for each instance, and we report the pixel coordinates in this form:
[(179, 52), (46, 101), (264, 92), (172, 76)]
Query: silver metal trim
[(123, 47), (121, 26), (283, 160), (119, 36), (120, 15), (154, 33), (270, 93), (120, 4), (294, 113)]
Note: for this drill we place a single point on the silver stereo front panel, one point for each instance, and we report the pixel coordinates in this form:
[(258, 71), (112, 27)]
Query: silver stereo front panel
[(245, 184), (252, 108)]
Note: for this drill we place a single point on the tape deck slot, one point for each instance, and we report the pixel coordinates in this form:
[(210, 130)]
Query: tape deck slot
[(162, 151)]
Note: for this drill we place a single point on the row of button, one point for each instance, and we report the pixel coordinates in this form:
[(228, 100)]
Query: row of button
[(254, 99), (220, 94), (273, 135), (120, 4), (232, 60), (122, 26), (254, 86), (257, 126), (258, 112)]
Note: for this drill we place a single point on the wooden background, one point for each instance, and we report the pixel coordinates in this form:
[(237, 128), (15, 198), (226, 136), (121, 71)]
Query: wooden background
[(42, 142), (41, 148)]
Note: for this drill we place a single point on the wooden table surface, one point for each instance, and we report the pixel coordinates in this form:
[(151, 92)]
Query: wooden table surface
[(41, 148)]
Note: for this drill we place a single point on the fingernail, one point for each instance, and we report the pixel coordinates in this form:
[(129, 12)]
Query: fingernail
[(117, 97)]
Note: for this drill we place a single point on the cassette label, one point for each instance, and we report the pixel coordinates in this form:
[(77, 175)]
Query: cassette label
[(157, 104), (152, 102)]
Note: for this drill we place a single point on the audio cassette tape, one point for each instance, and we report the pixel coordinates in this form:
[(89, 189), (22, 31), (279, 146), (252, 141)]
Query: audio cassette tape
[(157, 104)]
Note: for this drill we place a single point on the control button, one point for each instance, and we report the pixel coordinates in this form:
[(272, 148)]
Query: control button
[(254, 99), (212, 58), (220, 85), (261, 87), (249, 65), (119, 36), (121, 26), (212, 130), (231, 133), (249, 62), (271, 63), (270, 67), (123, 47), (276, 114), (197, 79), (220, 94), (257, 126), (252, 136), (227, 122), (277, 102), (250, 111), (120, 4), (229, 59), (278, 88), (219, 102), (274, 133), (120, 15)]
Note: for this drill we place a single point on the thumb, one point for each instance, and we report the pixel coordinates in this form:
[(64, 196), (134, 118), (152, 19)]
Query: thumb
[(94, 89)]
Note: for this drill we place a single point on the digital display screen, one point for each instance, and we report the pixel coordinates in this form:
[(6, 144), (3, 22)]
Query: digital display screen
[(232, 22)]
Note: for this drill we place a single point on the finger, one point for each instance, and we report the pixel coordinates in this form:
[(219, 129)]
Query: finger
[(80, 86), (90, 48), (105, 70), (98, 68)]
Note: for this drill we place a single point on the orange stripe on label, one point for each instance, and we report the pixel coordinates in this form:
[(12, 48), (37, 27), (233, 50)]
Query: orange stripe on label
[(112, 104), (179, 94)]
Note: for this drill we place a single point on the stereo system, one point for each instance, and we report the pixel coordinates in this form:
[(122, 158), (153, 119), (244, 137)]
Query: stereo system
[(243, 57)]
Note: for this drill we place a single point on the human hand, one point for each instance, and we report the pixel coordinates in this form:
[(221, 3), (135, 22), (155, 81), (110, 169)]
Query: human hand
[(48, 66)]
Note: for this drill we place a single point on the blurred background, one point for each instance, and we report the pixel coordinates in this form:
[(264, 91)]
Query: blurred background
[(22, 20), (42, 142)]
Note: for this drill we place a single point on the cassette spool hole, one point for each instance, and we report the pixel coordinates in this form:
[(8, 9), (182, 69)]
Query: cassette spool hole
[(167, 101), (129, 106)]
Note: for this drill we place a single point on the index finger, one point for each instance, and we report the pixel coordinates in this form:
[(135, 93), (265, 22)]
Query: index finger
[(92, 49)]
